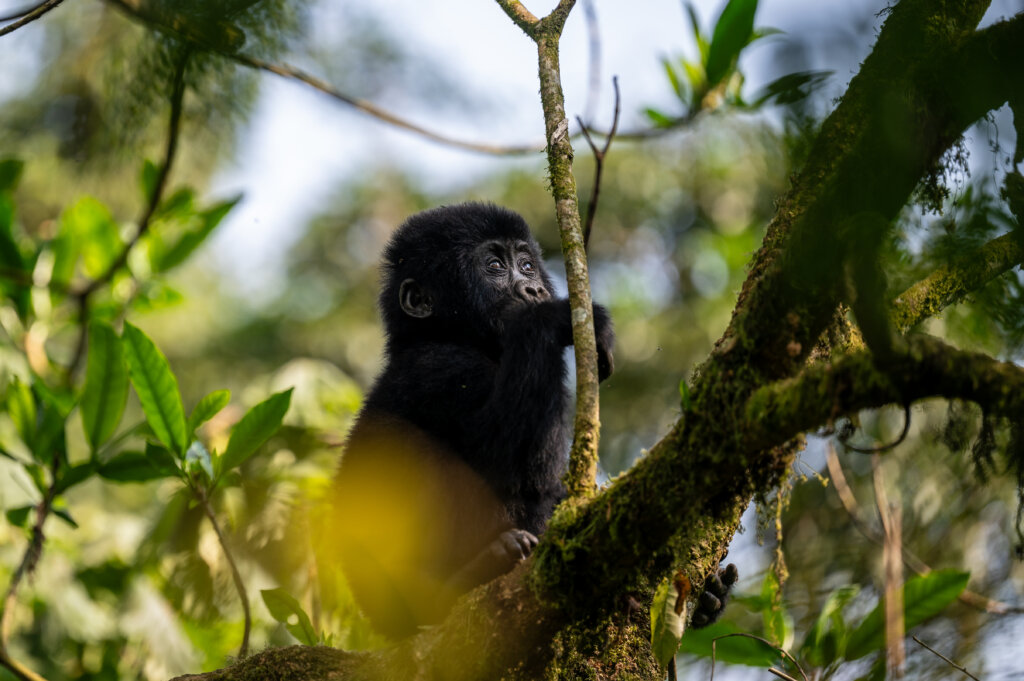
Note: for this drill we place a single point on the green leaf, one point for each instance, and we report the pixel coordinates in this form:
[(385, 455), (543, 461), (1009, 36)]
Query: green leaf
[(177, 206), (18, 516), (192, 239), (667, 625), (684, 394), (21, 407), (923, 597), (732, 32), (698, 35), (15, 285), (822, 645), (778, 625), (75, 475), (254, 429), (208, 408), (659, 119), (153, 464), (734, 650), (157, 389), (10, 173), (147, 178), (94, 233), (285, 609), (673, 79), (106, 385), (49, 440), (790, 88)]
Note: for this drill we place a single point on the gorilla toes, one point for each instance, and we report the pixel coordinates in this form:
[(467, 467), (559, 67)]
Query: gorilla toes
[(513, 546), (712, 602)]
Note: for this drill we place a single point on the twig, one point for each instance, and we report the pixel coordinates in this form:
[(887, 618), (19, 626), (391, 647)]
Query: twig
[(852, 508), (235, 574), (599, 155), (19, 13), (714, 642), (895, 629), (29, 560), (950, 662), (174, 127), (29, 16), (135, 10), (781, 675), (883, 448)]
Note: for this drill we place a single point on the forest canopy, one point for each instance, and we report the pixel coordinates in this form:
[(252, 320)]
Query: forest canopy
[(807, 227)]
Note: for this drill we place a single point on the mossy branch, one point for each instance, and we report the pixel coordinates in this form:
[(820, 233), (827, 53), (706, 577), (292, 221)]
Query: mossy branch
[(948, 284), (580, 478), (929, 368)]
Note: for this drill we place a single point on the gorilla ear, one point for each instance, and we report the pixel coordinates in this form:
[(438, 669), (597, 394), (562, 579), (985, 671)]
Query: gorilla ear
[(414, 300)]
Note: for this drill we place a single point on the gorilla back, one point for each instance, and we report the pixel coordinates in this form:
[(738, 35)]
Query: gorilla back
[(453, 466)]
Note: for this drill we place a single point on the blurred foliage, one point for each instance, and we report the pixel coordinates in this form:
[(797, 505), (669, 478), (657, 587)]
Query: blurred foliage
[(133, 581)]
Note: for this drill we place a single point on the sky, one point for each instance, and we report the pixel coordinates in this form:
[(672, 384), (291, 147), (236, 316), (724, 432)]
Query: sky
[(300, 144)]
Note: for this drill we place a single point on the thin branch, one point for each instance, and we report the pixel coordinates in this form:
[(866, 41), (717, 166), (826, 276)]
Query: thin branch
[(29, 560), (765, 641), (29, 17), (173, 130), (599, 155), (19, 13), (886, 447), (136, 11), (895, 625), (948, 661), (950, 283), (521, 16), (235, 574), (852, 508), (286, 71)]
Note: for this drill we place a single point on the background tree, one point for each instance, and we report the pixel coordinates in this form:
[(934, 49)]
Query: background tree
[(878, 237)]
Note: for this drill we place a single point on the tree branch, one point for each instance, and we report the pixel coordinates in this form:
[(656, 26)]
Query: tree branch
[(173, 130), (236, 576), (599, 155), (136, 10), (930, 368), (948, 284), (29, 16)]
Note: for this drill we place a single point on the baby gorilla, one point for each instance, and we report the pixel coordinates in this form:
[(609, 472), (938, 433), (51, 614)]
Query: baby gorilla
[(454, 464)]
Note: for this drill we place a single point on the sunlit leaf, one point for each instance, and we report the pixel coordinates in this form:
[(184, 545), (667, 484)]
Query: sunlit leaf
[(157, 389), (147, 178), (924, 596), (778, 624), (106, 385), (285, 609), (94, 233), (21, 407), (255, 428), (732, 32), (208, 408), (698, 35), (667, 625)]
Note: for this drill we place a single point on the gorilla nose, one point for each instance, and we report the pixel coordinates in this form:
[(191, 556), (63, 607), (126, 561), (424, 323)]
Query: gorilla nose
[(533, 292)]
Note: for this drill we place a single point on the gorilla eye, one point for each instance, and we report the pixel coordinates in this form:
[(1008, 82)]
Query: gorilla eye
[(526, 265), (495, 264)]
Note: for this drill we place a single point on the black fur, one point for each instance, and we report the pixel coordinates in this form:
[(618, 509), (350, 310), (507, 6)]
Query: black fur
[(471, 407)]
